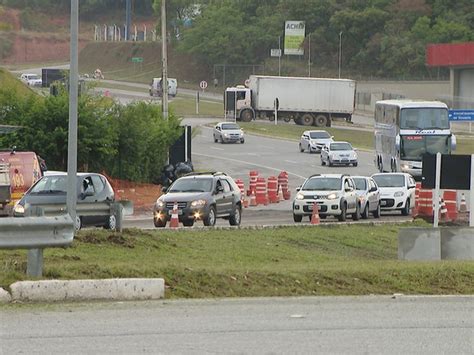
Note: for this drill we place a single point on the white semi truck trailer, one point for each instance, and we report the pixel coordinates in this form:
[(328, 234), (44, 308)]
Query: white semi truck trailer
[(307, 101)]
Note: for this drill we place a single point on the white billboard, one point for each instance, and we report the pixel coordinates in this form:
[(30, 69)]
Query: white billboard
[(294, 37)]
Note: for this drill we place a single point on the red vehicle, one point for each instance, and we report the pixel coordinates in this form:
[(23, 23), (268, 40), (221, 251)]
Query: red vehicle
[(24, 170)]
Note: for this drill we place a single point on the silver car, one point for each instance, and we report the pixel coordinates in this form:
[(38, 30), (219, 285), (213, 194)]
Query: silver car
[(228, 132), (314, 141), (340, 153), (369, 196)]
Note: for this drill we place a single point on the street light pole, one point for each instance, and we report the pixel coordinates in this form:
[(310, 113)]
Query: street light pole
[(71, 195), (279, 55), (309, 55), (164, 76), (340, 53)]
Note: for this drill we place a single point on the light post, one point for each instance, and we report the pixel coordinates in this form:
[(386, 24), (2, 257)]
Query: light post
[(309, 55), (164, 76), (340, 53), (279, 56)]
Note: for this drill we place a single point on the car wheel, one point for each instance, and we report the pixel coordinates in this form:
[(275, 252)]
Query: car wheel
[(188, 223), (215, 139), (330, 162), (342, 216), (301, 149), (111, 223), (356, 214), (159, 223), (323, 162), (210, 220), (297, 217), (377, 211), (355, 164), (78, 223), (365, 213), (222, 140), (242, 141), (235, 217), (406, 209)]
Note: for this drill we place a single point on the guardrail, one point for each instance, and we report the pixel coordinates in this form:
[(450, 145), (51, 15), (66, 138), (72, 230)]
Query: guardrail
[(35, 234)]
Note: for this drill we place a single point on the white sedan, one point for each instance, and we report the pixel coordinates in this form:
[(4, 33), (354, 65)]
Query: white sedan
[(340, 153), (31, 79)]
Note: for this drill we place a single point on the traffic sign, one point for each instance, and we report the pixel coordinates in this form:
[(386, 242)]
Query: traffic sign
[(275, 52), (203, 84), (461, 115), (137, 59)]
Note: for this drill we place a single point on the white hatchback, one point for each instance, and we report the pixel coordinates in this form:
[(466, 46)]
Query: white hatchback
[(340, 153), (397, 191), (314, 141)]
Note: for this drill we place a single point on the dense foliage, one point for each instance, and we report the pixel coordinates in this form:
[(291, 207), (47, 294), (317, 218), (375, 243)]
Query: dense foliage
[(129, 142)]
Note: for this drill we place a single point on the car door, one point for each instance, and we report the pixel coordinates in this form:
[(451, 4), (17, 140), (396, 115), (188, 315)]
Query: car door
[(228, 196), (325, 153), (411, 189), (373, 194), (217, 132), (350, 193), (89, 196), (219, 197), (305, 143)]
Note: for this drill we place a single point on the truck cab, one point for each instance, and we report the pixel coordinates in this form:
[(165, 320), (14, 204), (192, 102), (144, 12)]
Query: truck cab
[(238, 103)]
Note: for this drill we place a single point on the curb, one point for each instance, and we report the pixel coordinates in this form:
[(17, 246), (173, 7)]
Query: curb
[(85, 290), (4, 296)]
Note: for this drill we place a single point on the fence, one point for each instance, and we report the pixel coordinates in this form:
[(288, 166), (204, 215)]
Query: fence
[(114, 33)]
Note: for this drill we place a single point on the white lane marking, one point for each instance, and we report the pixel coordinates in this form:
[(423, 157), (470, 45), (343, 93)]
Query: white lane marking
[(253, 164), (292, 161), (253, 154), (217, 148)]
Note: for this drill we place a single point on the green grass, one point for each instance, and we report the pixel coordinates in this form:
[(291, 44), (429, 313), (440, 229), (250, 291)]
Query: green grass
[(10, 82), (465, 145), (185, 106), (329, 260), (358, 138)]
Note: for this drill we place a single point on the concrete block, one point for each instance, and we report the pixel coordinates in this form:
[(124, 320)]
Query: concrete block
[(4, 296), (419, 244), (457, 243), (81, 290)]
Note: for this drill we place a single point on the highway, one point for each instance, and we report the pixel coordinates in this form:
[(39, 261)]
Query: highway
[(305, 325)]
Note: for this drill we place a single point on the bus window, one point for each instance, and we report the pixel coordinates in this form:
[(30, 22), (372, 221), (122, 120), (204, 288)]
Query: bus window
[(424, 118)]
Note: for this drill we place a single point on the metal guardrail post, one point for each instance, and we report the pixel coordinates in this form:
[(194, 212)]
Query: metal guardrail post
[(117, 210), (34, 267)]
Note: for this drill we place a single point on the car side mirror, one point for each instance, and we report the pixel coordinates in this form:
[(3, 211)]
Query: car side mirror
[(373, 189), (298, 188), (412, 186), (164, 189), (332, 137), (348, 189)]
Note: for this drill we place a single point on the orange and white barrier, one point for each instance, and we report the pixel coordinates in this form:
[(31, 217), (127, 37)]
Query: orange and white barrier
[(450, 199), (253, 176), (261, 191), (272, 189)]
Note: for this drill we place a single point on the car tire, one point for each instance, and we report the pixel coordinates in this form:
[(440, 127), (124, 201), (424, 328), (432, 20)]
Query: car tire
[(78, 223), (210, 219), (323, 163), (235, 217), (215, 140), (111, 223), (159, 223), (355, 164), (365, 213), (406, 209), (222, 140), (356, 214), (188, 223), (342, 216), (301, 149), (297, 218), (242, 141), (377, 211), (330, 162)]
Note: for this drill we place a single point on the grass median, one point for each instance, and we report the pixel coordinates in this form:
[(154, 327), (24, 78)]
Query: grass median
[(327, 260)]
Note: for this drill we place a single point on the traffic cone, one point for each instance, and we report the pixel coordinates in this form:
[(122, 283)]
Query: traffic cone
[(443, 211), (315, 215), (280, 194), (463, 205), (414, 210), (174, 222), (253, 199)]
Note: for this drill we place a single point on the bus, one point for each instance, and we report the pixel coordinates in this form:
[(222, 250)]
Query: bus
[(404, 130)]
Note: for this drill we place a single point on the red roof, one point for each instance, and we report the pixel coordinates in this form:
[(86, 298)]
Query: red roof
[(450, 54)]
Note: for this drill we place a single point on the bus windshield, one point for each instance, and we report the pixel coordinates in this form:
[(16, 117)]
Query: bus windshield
[(424, 118), (413, 147)]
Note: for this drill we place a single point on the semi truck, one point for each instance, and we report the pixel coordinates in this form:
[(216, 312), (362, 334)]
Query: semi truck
[(307, 101)]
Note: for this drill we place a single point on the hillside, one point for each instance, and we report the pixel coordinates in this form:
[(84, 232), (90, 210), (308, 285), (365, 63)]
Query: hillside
[(10, 83)]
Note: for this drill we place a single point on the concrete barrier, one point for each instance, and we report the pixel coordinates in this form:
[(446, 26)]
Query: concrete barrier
[(82, 290), (4, 296), (451, 243)]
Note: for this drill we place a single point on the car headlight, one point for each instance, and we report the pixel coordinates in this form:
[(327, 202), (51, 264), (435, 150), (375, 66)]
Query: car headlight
[(398, 194), (19, 209), (198, 203), (332, 196), (226, 134), (160, 204), (299, 196)]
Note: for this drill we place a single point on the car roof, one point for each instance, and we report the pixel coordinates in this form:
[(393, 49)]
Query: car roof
[(220, 123), (315, 131), (62, 173), (328, 176), (340, 142), (360, 177), (395, 173)]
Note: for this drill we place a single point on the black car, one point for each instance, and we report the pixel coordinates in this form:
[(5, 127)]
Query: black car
[(49, 193), (200, 196)]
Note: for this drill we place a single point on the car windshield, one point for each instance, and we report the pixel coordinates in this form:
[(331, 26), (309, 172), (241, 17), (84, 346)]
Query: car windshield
[(360, 183), (33, 77), (319, 135), (192, 185), (50, 184), (230, 126), (424, 118), (390, 180), (341, 146), (322, 184)]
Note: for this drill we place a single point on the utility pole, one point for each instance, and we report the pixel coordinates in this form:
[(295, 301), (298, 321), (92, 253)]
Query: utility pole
[(309, 55), (340, 53), (71, 196), (164, 76), (128, 19), (279, 55)]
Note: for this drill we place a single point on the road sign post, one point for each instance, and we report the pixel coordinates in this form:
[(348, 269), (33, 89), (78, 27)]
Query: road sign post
[(203, 85), (277, 105)]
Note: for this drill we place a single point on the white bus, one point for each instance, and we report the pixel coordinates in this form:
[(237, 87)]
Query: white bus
[(405, 130)]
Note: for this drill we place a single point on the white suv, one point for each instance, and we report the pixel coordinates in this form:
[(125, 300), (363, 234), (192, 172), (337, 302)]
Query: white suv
[(397, 191), (31, 79), (335, 195)]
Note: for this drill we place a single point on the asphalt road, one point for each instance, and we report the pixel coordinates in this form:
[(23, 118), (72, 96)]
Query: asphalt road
[(313, 325)]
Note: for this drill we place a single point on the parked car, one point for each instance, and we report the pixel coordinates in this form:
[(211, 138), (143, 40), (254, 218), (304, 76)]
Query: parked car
[(314, 141), (200, 196), (156, 88), (335, 195), (369, 196), (49, 193), (31, 79), (397, 191), (340, 153), (228, 132)]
